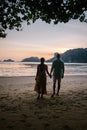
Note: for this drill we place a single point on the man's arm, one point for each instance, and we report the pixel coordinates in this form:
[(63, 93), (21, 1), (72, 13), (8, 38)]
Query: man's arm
[(63, 67), (51, 69)]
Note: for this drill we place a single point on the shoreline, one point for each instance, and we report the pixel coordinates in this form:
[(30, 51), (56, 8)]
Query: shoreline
[(47, 76), (20, 110)]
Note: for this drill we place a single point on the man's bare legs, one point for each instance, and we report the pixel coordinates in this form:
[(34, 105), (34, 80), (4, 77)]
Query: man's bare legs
[(54, 86), (59, 84)]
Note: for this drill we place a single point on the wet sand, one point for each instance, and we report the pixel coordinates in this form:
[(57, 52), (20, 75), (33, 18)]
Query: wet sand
[(20, 110)]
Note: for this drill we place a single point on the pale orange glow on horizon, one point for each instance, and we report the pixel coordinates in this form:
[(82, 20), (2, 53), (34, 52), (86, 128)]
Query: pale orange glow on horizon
[(20, 54), (43, 40)]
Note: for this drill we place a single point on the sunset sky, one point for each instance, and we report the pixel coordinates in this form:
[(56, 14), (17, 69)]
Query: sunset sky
[(42, 39)]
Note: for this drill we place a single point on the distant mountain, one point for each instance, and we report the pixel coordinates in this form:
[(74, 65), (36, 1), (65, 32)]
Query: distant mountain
[(8, 60), (75, 56), (78, 55), (31, 59)]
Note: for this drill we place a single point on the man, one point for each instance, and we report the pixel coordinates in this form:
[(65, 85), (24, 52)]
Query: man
[(58, 73)]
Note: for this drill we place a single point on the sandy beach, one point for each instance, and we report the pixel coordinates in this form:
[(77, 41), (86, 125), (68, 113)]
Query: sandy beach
[(20, 110)]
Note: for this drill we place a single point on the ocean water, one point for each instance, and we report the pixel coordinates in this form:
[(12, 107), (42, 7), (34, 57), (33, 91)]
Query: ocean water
[(8, 69)]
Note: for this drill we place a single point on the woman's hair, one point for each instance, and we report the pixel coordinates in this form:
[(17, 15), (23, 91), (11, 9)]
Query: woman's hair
[(42, 60)]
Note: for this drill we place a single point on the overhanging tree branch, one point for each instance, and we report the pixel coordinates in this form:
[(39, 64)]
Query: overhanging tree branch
[(14, 12)]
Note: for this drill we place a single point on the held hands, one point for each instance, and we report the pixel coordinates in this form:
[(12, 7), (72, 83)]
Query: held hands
[(35, 78), (50, 75)]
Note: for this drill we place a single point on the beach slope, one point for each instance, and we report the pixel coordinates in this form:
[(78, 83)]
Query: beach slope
[(20, 110)]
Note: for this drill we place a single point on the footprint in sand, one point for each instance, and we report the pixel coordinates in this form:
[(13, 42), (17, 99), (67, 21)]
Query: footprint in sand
[(10, 126), (23, 118), (66, 127), (46, 124), (2, 119)]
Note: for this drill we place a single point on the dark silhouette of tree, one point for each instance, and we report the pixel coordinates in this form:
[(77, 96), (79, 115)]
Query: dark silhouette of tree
[(14, 12)]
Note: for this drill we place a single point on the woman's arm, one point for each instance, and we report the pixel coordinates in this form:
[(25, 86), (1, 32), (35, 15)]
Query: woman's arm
[(37, 72), (47, 71)]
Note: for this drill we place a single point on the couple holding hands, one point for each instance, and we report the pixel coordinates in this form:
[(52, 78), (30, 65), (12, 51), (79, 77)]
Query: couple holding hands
[(57, 69)]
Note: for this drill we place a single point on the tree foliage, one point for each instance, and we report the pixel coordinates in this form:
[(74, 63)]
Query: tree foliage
[(14, 12)]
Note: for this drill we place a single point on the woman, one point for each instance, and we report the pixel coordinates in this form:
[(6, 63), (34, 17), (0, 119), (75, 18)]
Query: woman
[(40, 86)]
